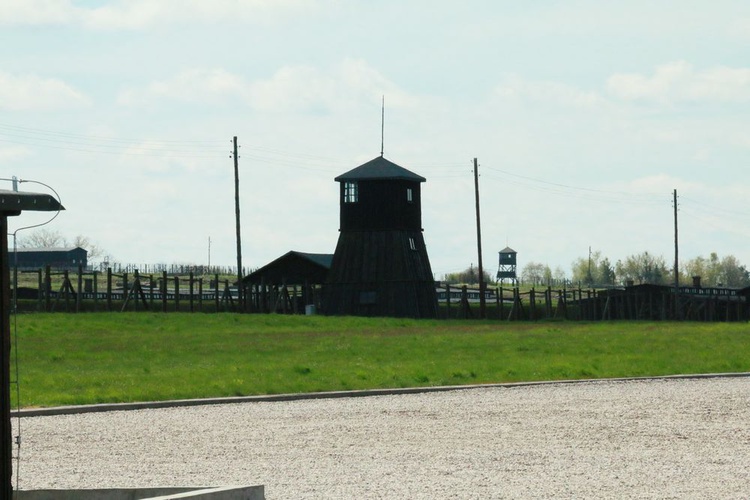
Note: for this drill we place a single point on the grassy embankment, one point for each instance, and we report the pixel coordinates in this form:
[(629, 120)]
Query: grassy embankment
[(69, 359)]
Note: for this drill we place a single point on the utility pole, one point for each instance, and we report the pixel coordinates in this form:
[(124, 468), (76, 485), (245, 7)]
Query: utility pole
[(482, 284), (237, 217), (677, 308)]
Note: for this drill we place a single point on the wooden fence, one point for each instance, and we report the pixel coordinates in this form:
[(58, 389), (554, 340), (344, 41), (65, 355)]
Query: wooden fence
[(511, 304), (634, 303), (110, 291), (43, 290)]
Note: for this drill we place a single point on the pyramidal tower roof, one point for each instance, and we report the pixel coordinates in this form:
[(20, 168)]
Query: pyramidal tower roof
[(379, 168)]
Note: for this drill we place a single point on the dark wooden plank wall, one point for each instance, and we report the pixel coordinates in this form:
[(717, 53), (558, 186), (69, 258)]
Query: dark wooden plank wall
[(381, 263)]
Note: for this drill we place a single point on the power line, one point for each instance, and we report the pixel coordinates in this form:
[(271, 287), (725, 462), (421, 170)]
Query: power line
[(567, 187), (148, 152), (97, 138), (714, 209), (214, 149)]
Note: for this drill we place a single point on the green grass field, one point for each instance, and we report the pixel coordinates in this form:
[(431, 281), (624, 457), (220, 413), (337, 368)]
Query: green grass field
[(69, 359)]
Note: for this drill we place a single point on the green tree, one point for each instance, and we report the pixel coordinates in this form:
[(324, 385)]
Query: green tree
[(733, 273), (593, 270), (469, 276), (643, 268), (605, 272), (715, 271), (534, 273)]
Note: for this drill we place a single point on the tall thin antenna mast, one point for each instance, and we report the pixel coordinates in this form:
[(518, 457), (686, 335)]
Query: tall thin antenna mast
[(382, 126)]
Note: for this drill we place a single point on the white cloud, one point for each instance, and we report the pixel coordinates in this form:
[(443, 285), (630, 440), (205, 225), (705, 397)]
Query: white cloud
[(739, 29), (194, 85), (13, 153), (515, 87), (298, 88), (34, 93), (679, 81), (305, 87), (140, 14), (37, 12)]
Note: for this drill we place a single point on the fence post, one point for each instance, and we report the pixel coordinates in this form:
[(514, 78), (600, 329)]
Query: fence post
[(164, 291), (447, 300), (216, 291), (79, 290), (190, 287), (532, 304), (177, 293), (66, 287), (109, 289), (136, 282), (263, 296), (515, 312), (465, 301), (200, 294), (48, 288), (228, 293), (40, 291), (95, 290)]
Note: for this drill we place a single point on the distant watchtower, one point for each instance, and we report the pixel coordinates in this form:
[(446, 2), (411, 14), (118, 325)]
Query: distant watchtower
[(380, 267), (507, 266)]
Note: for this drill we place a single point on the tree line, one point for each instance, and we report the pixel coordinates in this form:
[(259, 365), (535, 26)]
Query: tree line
[(645, 267), (714, 271)]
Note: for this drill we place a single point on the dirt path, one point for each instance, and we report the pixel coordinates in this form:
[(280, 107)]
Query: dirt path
[(645, 439)]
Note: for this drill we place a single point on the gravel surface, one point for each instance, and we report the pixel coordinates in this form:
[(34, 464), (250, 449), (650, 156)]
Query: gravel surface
[(644, 439)]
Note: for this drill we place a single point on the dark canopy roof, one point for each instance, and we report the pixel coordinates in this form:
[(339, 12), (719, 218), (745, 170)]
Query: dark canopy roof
[(12, 202), (379, 168), (293, 268)]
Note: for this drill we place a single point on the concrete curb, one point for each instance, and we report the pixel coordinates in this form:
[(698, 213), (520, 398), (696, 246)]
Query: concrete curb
[(207, 493), (73, 410)]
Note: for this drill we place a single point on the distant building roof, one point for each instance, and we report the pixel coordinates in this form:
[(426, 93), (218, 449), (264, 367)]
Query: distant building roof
[(48, 249), (379, 168), (507, 250)]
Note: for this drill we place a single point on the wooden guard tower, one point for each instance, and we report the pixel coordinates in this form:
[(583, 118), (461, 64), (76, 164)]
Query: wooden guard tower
[(380, 267), (507, 267)]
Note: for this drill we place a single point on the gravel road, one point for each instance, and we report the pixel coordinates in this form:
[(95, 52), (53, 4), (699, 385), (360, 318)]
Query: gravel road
[(642, 439)]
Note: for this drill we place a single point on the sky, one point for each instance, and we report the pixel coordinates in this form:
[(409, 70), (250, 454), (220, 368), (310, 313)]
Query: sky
[(584, 115)]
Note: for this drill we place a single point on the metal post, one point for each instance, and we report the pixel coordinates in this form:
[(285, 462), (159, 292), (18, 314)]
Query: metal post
[(6, 453)]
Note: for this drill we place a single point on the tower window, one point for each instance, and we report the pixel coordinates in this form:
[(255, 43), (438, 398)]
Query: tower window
[(409, 195), (351, 194), (412, 245)]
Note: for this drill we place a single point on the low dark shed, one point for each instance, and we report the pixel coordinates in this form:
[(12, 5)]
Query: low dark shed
[(293, 268)]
